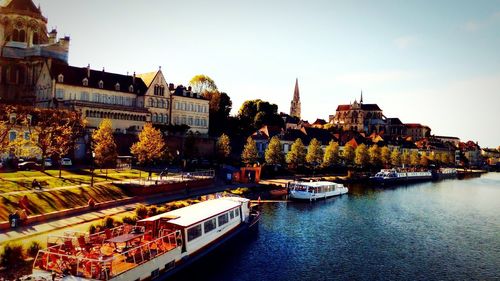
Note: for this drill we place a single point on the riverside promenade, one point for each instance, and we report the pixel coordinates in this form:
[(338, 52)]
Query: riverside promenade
[(89, 215)]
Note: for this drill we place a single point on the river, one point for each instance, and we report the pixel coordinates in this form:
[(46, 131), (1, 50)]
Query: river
[(447, 230)]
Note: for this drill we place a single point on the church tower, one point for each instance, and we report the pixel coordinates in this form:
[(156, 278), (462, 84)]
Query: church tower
[(295, 104)]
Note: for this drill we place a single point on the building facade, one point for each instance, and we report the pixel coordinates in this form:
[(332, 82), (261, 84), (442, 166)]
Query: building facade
[(157, 98), (190, 109), (295, 104)]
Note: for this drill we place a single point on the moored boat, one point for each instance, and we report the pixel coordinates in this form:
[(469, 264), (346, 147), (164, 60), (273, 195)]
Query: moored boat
[(444, 173), (315, 190), (394, 176), (155, 247)]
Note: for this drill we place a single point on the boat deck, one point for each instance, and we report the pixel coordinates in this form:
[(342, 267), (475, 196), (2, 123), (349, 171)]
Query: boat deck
[(103, 255)]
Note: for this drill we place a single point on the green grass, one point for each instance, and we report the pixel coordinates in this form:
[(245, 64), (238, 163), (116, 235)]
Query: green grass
[(21, 180)]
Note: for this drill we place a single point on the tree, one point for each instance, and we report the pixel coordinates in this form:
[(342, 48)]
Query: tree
[(220, 106), (314, 153), (424, 161), (385, 156), (273, 155), (249, 154), (405, 158), (202, 83), (255, 113), (331, 156), (104, 145), (362, 158), (297, 154), (150, 147), (348, 154), (374, 155), (445, 158), (414, 158), (395, 158), (223, 147)]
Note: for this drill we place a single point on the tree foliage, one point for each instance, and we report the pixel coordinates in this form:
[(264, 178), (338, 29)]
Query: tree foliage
[(104, 145), (348, 154), (374, 155), (385, 156), (249, 154), (297, 154), (405, 158), (314, 153), (256, 113), (202, 83), (223, 147), (273, 155), (414, 158), (331, 156), (362, 158), (150, 147), (395, 158), (219, 108)]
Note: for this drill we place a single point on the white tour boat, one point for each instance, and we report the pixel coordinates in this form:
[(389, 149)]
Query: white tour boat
[(315, 190), (395, 176), (155, 247)]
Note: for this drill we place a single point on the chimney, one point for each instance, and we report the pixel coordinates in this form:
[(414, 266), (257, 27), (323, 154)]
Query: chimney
[(88, 70), (52, 36), (171, 87), (133, 78), (103, 69)]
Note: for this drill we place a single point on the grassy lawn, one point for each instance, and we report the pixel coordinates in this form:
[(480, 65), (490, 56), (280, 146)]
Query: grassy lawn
[(57, 200), (21, 180)]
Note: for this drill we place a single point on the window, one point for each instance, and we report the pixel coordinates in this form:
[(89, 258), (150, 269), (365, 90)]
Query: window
[(60, 78), (85, 82), (27, 135), (155, 273), (231, 214), (190, 121), (60, 93), (12, 136), (223, 219), (176, 105), (117, 86), (84, 96), (236, 212), (131, 89), (209, 225), (194, 232), (101, 84)]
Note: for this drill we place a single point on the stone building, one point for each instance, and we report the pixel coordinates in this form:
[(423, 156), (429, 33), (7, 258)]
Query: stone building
[(295, 104), (25, 45), (157, 98), (190, 109), (360, 117)]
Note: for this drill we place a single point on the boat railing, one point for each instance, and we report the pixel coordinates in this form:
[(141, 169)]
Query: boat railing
[(102, 262)]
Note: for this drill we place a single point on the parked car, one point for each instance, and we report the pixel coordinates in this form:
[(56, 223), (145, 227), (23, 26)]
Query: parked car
[(66, 162), (48, 162), (28, 165)]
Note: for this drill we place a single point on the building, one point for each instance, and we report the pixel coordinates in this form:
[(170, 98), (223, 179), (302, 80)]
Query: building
[(446, 139), (417, 131), (472, 152), (360, 117), (190, 109), (157, 98), (295, 104), (25, 46)]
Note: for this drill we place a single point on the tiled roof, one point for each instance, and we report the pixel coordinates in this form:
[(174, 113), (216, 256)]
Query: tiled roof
[(74, 76), (24, 5)]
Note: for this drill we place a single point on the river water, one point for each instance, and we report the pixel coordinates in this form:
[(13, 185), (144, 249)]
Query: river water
[(447, 230)]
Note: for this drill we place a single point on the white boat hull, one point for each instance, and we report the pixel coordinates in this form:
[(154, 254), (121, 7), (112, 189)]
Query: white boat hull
[(304, 195)]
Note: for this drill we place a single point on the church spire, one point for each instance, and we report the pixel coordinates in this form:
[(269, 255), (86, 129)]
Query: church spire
[(361, 99), (295, 104)]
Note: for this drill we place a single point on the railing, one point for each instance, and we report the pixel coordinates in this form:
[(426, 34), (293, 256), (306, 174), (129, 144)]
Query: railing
[(169, 178)]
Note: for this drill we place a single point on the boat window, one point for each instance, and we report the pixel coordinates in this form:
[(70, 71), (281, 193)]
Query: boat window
[(194, 232), (223, 219), (209, 225), (231, 214), (237, 212), (155, 273)]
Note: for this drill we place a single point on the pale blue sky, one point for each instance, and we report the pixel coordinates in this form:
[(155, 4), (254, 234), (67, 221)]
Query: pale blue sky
[(431, 62)]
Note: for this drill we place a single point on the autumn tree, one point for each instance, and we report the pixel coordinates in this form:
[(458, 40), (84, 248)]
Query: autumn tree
[(314, 155), (220, 106), (255, 113), (405, 158), (348, 154), (361, 155), (104, 145), (395, 158), (223, 147), (150, 147), (273, 155), (385, 156), (414, 158), (202, 83), (424, 161), (297, 154), (249, 154), (445, 158), (331, 156), (374, 155)]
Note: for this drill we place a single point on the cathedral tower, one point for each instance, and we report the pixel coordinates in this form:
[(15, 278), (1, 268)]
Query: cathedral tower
[(295, 104)]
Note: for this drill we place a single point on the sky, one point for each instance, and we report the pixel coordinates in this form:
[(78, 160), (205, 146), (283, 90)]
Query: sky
[(431, 62)]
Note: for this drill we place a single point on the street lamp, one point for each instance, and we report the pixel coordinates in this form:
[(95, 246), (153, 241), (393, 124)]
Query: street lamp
[(92, 170)]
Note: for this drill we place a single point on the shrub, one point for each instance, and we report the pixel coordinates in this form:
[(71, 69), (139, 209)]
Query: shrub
[(141, 211), (129, 220), (108, 222), (152, 211), (92, 229), (33, 249), (12, 255)]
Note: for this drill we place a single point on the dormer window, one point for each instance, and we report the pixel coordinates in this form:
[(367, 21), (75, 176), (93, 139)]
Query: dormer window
[(131, 88), (85, 81), (117, 86), (60, 78), (101, 84)]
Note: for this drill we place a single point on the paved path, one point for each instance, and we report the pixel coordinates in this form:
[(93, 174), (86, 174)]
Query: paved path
[(43, 227)]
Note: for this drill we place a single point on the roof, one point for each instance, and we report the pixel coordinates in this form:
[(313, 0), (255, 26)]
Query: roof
[(316, 183), (181, 91), (368, 107), (198, 212), (75, 75), (148, 77), (25, 5), (322, 135), (319, 122)]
